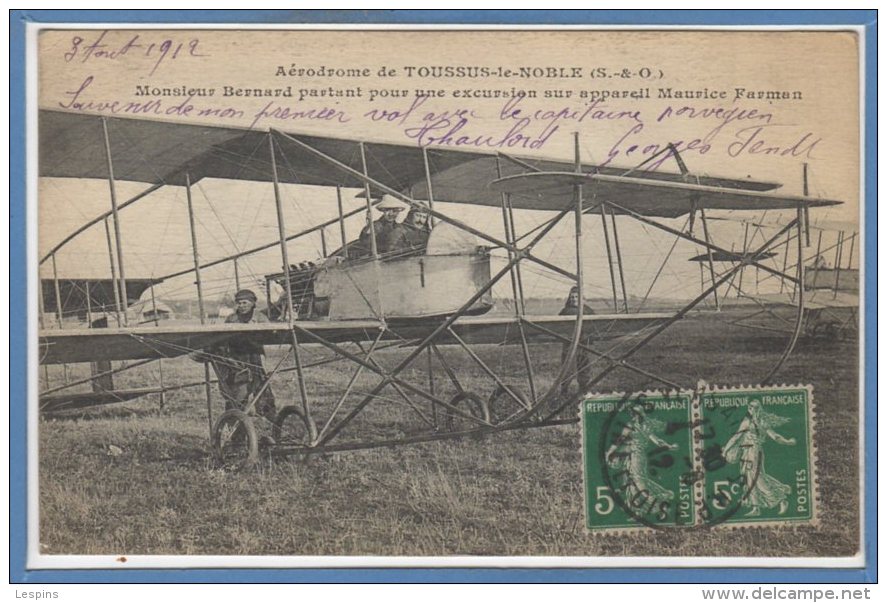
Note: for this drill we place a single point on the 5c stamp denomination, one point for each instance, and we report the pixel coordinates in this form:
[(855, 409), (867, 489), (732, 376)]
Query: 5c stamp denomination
[(765, 437), (699, 459)]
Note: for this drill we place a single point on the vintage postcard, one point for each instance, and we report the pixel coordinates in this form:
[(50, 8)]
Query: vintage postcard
[(360, 296)]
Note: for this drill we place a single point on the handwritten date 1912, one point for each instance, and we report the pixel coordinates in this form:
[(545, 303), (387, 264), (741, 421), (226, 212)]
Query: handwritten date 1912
[(161, 50)]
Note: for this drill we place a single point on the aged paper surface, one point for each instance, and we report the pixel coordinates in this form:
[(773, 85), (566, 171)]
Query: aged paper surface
[(765, 107)]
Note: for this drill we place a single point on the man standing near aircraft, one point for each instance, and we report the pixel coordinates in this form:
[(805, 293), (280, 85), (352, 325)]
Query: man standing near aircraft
[(241, 372), (583, 358)]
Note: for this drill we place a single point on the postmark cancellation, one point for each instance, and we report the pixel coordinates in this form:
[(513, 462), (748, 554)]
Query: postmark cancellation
[(713, 457)]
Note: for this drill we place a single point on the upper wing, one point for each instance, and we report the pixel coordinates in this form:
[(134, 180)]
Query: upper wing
[(470, 182), (642, 195), (89, 345), (72, 145)]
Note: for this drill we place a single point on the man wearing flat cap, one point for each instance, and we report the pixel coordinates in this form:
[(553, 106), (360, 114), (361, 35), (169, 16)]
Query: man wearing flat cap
[(242, 373)]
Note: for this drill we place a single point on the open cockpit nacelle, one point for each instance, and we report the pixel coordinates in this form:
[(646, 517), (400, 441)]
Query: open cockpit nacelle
[(403, 284)]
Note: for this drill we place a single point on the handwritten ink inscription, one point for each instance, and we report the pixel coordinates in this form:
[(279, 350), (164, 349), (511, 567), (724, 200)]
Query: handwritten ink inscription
[(159, 51), (629, 121)]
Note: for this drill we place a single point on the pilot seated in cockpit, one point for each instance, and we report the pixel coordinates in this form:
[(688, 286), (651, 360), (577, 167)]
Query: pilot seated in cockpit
[(393, 238), (389, 233)]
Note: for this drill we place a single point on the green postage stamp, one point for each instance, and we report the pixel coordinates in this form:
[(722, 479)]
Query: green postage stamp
[(699, 459)]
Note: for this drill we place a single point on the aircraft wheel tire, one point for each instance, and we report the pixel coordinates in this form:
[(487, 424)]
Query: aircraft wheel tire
[(291, 427), (501, 404), (234, 441), (473, 405)]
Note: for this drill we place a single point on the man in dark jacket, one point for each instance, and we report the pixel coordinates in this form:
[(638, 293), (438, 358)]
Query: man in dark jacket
[(242, 372), (418, 228), (583, 359), (389, 233)]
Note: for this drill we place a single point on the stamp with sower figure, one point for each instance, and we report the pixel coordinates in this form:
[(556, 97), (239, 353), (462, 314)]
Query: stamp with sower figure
[(766, 435), (699, 459), (638, 451)]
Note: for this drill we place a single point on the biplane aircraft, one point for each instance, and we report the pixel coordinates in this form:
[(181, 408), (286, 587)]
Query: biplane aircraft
[(415, 303), (828, 302)]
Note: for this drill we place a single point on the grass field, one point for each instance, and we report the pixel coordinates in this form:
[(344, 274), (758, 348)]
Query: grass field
[(514, 493)]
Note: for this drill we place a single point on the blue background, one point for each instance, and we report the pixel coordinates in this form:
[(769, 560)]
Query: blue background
[(18, 297)]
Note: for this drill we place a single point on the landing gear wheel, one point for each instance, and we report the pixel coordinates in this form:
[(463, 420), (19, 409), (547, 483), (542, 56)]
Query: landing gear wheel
[(234, 440), (502, 405), (291, 428), (471, 404)]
